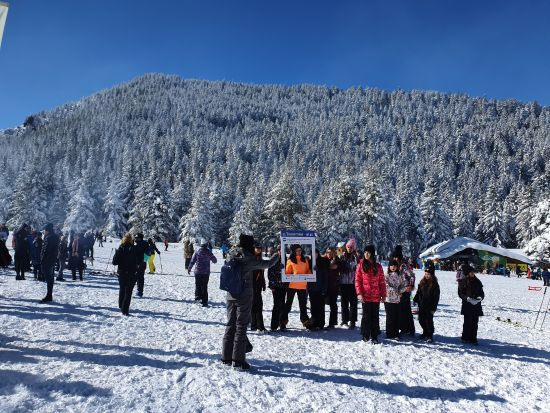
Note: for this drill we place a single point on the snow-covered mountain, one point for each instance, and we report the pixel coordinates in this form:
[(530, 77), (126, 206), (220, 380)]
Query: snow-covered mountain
[(159, 151)]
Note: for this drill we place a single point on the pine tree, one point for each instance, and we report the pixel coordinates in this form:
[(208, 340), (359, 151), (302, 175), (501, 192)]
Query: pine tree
[(524, 217), (247, 218), (115, 210), (539, 247), (437, 224), (81, 217), (489, 228), (410, 229), (197, 223)]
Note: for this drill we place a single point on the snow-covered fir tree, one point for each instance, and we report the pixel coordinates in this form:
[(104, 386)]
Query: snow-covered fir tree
[(539, 247), (81, 217), (198, 223), (437, 224), (490, 227), (115, 210)]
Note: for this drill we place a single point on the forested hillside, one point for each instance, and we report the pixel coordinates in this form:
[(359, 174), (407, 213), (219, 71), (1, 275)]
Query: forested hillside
[(174, 157)]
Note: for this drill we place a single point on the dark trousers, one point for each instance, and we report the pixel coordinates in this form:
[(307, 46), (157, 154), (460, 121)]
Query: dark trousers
[(187, 262), (426, 320), (235, 339), (37, 270), (20, 265), (370, 322), (201, 288), (48, 274), (317, 304), (278, 311), (126, 282), (469, 328), (348, 302), (546, 281), (140, 276), (61, 264), (392, 320), (257, 318), (406, 320), (333, 303), (302, 302)]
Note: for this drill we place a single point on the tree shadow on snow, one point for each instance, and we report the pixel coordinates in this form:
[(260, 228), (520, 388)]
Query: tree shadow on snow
[(395, 389), (44, 388)]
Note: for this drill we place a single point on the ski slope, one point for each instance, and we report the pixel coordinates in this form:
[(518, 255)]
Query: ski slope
[(80, 354)]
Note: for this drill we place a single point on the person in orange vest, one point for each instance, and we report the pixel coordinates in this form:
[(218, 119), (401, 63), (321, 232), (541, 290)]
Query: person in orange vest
[(297, 263)]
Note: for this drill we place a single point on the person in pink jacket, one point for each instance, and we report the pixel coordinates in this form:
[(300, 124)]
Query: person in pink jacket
[(370, 285)]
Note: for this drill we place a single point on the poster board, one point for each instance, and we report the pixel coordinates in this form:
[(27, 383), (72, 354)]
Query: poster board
[(3, 17), (306, 239)]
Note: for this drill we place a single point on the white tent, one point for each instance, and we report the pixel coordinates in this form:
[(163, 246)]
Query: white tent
[(3, 16), (449, 248)]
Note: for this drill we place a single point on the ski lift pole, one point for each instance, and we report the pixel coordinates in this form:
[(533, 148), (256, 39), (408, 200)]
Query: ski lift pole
[(540, 308), (109, 260), (545, 313)]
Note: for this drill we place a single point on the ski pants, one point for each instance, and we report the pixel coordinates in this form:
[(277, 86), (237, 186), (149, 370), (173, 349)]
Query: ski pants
[(469, 328), (333, 303), (392, 320), (235, 339), (126, 282), (141, 277), (370, 321), (317, 304), (302, 302), (426, 320), (406, 320), (348, 303), (152, 267), (48, 273), (201, 288), (257, 318), (278, 311)]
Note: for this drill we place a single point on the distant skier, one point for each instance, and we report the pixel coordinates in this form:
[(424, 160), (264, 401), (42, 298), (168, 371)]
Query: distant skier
[(427, 298), (151, 250), (4, 233), (99, 238), (224, 249), (201, 262), (546, 276), (48, 257), (470, 291)]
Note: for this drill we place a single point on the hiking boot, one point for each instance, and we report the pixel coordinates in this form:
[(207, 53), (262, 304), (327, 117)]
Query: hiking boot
[(344, 323), (351, 325), (226, 362), (46, 299), (249, 347), (374, 341), (243, 365)]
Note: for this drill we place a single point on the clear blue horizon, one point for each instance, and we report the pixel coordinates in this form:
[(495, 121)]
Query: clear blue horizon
[(59, 51)]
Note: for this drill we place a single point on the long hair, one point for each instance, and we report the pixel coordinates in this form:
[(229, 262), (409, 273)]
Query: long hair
[(126, 240), (367, 265), (430, 283), (294, 258)]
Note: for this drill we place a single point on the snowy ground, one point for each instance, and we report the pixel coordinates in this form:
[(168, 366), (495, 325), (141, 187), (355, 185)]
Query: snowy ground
[(79, 354)]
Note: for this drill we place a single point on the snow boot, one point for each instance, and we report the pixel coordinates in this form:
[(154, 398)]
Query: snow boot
[(46, 299), (242, 365), (351, 325)]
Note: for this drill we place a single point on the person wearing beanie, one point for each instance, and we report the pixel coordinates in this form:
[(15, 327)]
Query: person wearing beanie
[(427, 298), (48, 257), (395, 286), (201, 261), (348, 266), (297, 263), (470, 291), (406, 320), (370, 286), (235, 342)]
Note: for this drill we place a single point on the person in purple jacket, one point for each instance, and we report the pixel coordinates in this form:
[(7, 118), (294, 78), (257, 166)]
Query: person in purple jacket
[(201, 261)]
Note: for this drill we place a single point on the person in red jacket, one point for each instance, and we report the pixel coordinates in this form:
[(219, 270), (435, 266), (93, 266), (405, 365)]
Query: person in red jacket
[(370, 286)]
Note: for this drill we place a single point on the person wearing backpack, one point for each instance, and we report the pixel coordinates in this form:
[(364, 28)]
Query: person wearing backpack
[(127, 261), (201, 261), (142, 257), (235, 341)]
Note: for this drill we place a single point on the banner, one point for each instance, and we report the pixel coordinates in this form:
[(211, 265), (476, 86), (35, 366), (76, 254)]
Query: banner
[(306, 240), (3, 17)]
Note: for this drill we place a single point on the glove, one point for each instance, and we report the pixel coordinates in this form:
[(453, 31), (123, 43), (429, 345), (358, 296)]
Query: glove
[(479, 299), (472, 301)]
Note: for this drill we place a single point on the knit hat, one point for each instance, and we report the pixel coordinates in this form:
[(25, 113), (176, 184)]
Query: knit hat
[(467, 269), (48, 227), (203, 242), (370, 248), (246, 242), (430, 267), (351, 244), (397, 252)]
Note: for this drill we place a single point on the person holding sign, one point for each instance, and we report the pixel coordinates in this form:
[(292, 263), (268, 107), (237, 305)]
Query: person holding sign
[(296, 264)]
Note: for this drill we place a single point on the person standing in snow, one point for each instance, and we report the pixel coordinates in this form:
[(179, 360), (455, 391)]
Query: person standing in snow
[(99, 238), (278, 289), (470, 291), (76, 260), (427, 298), (333, 275), (152, 248), (141, 248), (166, 244), (188, 252), (201, 261), (35, 255), (62, 253), (235, 341), (48, 257), (546, 276), (406, 320), (348, 267), (317, 291), (297, 263), (370, 286), (4, 233), (127, 259), (22, 251), (395, 286), (258, 286)]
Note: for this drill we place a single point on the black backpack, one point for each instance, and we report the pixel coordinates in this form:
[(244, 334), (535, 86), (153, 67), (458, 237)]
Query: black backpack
[(231, 279)]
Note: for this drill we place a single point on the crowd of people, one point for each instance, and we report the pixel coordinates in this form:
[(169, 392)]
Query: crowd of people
[(354, 276)]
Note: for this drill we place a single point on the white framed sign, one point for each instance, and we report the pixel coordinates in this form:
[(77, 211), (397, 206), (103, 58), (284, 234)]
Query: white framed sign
[(306, 241)]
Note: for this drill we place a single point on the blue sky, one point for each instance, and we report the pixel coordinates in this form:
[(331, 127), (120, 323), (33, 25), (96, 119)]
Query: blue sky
[(57, 51)]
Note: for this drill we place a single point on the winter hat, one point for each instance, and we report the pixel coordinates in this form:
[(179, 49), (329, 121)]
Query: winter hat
[(397, 252), (351, 244), (48, 227), (203, 242), (246, 242), (467, 269), (340, 244), (430, 267), (371, 248)]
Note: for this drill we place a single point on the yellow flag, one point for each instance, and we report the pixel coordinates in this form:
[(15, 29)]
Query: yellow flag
[(3, 16)]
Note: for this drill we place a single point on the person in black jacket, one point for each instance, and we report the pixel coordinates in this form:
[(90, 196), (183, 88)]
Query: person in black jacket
[(470, 291), (258, 286), (36, 250), (278, 289), (317, 291), (427, 298), (141, 251), (127, 261), (48, 256), (22, 252), (76, 259)]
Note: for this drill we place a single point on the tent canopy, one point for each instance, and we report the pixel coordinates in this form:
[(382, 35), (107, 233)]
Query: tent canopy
[(451, 247)]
